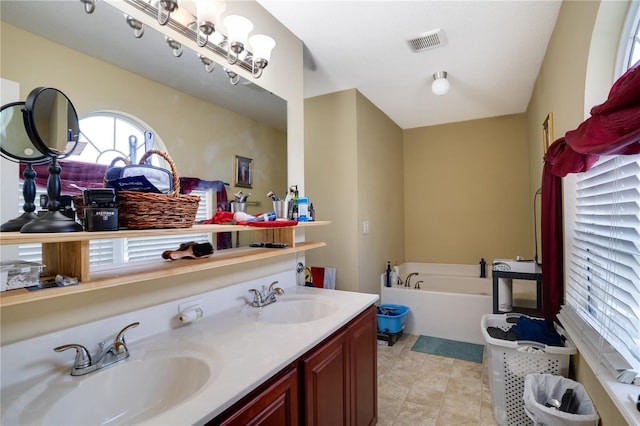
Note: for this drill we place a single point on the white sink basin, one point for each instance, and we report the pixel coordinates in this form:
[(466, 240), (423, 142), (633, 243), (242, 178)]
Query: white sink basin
[(292, 310), (133, 391)]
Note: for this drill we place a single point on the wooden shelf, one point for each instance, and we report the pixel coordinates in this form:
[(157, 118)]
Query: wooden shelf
[(8, 238), (68, 254)]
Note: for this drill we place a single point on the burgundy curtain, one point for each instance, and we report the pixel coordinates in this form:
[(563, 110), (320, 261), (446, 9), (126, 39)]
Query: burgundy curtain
[(551, 240), (612, 129)]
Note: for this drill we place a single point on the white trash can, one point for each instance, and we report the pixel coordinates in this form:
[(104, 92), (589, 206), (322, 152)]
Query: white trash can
[(540, 388)]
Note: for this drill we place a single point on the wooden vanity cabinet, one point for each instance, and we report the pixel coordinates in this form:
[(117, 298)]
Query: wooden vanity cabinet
[(275, 405), (337, 384), (363, 352), (326, 384), (340, 376)]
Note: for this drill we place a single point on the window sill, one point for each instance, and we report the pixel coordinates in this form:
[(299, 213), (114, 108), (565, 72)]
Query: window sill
[(624, 396)]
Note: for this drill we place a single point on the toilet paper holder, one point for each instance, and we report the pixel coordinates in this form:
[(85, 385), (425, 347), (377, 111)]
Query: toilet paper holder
[(190, 311)]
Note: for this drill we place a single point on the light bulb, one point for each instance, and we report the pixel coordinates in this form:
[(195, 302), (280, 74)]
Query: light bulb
[(440, 84), (262, 46), (238, 29)]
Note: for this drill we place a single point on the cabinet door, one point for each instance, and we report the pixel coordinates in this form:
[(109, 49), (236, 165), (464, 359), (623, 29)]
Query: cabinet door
[(277, 405), (326, 384), (363, 349)]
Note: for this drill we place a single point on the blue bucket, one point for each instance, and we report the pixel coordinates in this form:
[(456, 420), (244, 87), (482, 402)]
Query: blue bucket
[(391, 317)]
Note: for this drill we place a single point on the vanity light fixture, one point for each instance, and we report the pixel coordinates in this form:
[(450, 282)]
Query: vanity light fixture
[(234, 78), (208, 63), (175, 46), (207, 14), (238, 28), (165, 7), (89, 6), (137, 26), (198, 20), (440, 85), (262, 46)]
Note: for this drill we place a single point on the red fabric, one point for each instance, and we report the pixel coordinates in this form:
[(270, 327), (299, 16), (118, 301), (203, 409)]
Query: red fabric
[(273, 224), (552, 243), (612, 129), (317, 276)]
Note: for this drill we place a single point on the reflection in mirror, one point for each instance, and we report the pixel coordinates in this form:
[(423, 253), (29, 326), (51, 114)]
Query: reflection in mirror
[(16, 146), (105, 35), (52, 124), (174, 111)]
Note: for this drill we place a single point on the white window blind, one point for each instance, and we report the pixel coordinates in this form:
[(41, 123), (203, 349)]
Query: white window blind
[(603, 284)]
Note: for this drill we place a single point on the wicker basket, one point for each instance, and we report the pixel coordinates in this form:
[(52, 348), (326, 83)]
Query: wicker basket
[(146, 210)]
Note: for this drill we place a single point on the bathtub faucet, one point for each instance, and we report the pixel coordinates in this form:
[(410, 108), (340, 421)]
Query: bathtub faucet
[(407, 281), (418, 284)]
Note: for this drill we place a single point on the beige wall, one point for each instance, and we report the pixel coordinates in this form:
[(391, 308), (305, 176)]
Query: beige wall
[(84, 83), (466, 191), (353, 169), (577, 72)]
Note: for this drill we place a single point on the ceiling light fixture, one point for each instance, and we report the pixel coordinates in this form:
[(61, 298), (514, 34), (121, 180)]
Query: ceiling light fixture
[(197, 20), (440, 85)]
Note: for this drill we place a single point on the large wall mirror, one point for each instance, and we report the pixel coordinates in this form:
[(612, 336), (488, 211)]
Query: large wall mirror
[(105, 35)]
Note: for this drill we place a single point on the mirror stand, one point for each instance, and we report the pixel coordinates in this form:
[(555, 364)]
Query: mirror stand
[(29, 194), (53, 220)]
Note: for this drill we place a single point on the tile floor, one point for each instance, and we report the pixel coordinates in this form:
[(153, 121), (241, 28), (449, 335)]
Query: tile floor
[(417, 389)]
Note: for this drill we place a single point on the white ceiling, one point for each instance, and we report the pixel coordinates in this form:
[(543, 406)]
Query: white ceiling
[(493, 53)]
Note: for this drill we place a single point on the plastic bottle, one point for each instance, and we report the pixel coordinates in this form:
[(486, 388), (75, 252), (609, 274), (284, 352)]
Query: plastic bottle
[(483, 268), (312, 213), (388, 284), (395, 273)]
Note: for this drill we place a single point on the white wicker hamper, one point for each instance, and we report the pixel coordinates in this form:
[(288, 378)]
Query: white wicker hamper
[(509, 363)]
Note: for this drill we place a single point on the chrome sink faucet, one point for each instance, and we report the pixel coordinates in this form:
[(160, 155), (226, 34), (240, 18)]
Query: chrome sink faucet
[(407, 281), (266, 296), (115, 352)]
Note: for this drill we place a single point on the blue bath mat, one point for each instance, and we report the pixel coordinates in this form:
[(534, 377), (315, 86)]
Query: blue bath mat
[(449, 348)]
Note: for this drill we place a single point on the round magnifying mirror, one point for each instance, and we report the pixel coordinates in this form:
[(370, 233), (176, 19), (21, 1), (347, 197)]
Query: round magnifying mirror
[(16, 146), (15, 143), (51, 122)]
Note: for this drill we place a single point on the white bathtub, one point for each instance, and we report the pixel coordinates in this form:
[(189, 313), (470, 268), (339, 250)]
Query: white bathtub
[(450, 303)]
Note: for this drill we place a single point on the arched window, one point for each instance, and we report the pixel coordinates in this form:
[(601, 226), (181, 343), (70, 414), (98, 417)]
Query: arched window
[(629, 52), (107, 135)]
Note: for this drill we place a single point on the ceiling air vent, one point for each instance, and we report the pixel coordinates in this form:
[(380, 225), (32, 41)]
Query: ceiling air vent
[(428, 40)]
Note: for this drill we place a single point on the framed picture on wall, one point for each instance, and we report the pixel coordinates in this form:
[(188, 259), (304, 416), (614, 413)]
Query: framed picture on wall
[(243, 171), (547, 132)]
